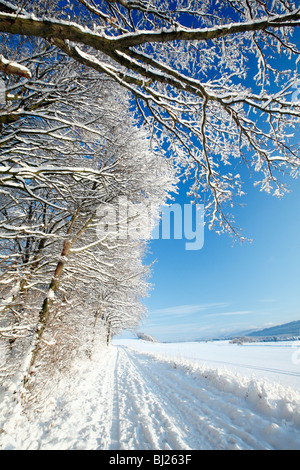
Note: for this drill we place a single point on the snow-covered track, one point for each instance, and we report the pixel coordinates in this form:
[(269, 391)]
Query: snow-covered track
[(171, 409), (127, 399)]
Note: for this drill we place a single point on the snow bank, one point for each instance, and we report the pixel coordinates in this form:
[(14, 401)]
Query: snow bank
[(268, 398)]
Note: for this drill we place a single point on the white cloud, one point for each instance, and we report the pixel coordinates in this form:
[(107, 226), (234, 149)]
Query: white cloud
[(229, 314), (182, 310)]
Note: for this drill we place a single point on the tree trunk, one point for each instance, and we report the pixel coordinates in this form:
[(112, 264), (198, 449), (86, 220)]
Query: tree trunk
[(45, 312), (108, 337)]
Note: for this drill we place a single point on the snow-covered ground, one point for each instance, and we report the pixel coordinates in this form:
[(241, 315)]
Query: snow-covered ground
[(138, 395), (276, 361)]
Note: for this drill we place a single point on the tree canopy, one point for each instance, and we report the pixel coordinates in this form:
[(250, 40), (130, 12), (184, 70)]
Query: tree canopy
[(213, 79)]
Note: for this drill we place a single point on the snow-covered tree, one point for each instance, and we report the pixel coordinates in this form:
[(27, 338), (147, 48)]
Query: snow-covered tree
[(105, 277), (68, 147), (146, 337), (214, 79)]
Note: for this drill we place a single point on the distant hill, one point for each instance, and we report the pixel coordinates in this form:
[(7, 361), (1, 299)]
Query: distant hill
[(286, 331), (289, 329)]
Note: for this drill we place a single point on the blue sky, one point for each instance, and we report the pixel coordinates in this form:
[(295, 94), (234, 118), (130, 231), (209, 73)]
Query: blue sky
[(225, 286), (229, 287)]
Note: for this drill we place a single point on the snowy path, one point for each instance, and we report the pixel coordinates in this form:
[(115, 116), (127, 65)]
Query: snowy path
[(164, 408), (134, 401)]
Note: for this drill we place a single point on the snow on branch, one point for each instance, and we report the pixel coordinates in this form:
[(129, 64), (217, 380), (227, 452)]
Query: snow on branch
[(13, 68), (59, 29)]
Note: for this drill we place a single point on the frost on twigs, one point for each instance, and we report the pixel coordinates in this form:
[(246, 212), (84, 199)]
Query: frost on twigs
[(208, 79)]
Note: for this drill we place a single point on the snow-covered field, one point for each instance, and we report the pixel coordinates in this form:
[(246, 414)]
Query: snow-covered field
[(276, 361), (139, 395)]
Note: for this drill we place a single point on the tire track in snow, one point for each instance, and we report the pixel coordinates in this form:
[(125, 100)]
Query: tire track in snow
[(201, 411), (175, 423), (198, 424), (144, 424)]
